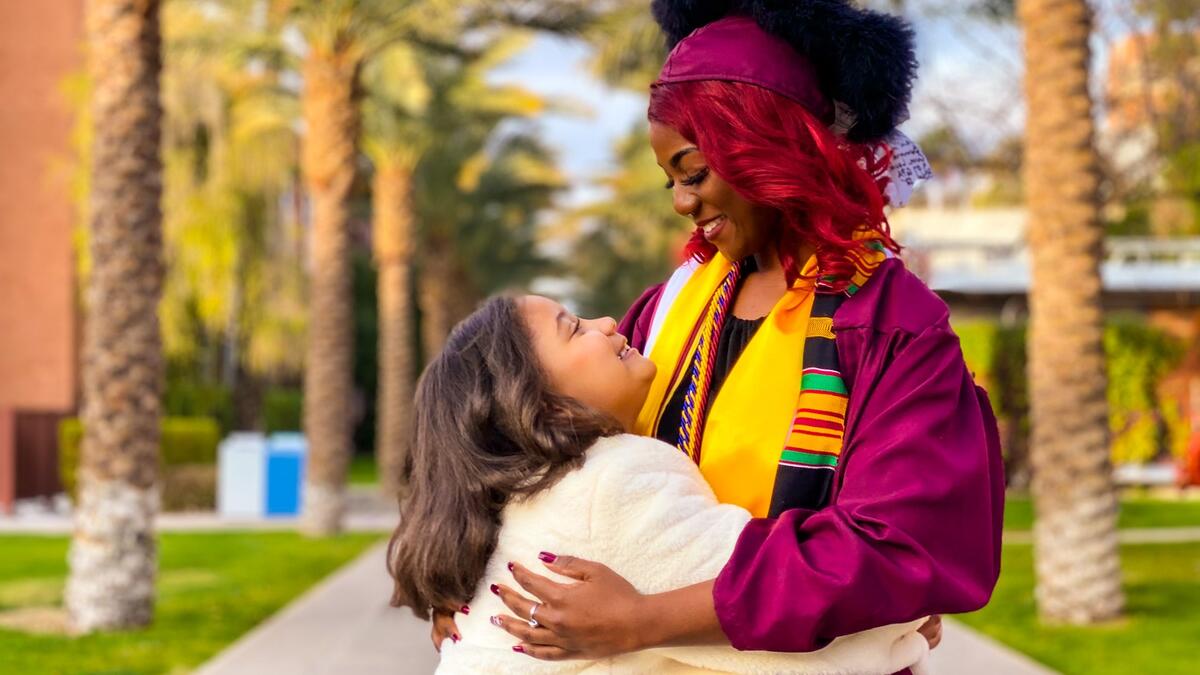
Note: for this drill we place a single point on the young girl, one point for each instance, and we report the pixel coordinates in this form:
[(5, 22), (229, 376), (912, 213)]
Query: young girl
[(520, 445)]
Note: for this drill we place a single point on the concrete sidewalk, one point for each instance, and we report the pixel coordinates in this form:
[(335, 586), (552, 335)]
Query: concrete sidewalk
[(367, 511), (344, 625), (964, 651), (200, 521)]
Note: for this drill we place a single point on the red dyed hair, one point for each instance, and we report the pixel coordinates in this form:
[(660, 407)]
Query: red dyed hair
[(775, 153)]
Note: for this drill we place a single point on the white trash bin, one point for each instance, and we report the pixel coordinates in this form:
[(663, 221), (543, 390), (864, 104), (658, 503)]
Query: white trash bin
[(241, 475)]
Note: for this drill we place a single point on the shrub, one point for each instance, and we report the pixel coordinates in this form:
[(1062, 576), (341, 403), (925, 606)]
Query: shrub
[(1137, 358), (283, 410), (995, 354), (189, 487), (186, 441), (187, 398)]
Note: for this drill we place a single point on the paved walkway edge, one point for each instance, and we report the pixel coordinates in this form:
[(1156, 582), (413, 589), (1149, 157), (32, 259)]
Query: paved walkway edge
[(964, 650), (279, 621), (199, 522), (1141, 535), (341, 625)]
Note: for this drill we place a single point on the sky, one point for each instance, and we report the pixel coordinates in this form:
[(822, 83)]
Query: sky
[(556, 67)]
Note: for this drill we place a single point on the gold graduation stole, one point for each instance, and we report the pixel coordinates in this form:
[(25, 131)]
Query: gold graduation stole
[(779, 418)]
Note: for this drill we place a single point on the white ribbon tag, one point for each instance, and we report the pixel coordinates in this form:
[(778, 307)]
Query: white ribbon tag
[(908, 169)]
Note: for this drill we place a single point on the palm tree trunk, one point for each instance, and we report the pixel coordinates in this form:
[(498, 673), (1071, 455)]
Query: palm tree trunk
[(113, 553), (393, 243), (436, 296), (447, 294), (464, 299), (1075, 543), (331, 117)]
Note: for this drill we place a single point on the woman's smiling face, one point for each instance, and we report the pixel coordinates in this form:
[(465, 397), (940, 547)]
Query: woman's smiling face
[(587, 359), (735, 226)]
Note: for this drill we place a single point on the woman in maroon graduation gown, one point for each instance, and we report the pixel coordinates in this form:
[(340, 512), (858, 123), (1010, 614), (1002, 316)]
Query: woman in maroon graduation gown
[(877, 476)]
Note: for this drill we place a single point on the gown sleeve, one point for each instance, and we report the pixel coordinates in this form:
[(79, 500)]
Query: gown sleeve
[(635, 325), (914, 526)]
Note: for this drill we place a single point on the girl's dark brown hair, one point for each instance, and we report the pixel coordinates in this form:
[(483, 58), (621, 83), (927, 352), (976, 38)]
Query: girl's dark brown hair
[(487, 429)]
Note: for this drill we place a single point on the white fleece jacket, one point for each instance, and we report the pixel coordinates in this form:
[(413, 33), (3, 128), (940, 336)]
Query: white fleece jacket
[(641, 507)]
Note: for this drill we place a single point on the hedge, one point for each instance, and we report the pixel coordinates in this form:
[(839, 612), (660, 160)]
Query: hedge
[(189, 487), (283, 410), (1143, 424), (186, 398), (186, 441)]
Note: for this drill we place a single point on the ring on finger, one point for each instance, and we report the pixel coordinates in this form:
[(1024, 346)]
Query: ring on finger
[(533, 622)]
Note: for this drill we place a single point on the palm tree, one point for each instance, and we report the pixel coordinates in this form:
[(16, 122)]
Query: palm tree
[(461, 120), (629, 47), (499, 235), (629, 241), (330, 106), (114, 551), (395, 98), (230, 155), (393, 242), (340, 37), (1075, 543), (429, 123)]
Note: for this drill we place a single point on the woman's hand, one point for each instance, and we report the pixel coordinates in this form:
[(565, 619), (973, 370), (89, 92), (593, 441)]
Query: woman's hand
[(444, 628), (599, 615)]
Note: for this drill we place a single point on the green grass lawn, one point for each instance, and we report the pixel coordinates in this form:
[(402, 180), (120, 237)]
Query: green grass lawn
[(212, 588), (363, 470), (1160, 633), (1136, 512)]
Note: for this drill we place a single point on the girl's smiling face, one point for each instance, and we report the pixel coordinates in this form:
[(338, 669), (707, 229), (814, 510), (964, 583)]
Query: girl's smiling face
[(587, 359), (735, 226)]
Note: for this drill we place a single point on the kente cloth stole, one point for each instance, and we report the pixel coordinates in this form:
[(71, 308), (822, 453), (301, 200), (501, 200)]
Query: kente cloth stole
[(784, 392)]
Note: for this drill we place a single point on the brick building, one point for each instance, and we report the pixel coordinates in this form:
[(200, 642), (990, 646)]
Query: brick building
[(41, 46)]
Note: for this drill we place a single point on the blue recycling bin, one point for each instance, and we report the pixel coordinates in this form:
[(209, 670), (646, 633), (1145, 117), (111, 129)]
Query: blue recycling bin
[(286, 454)]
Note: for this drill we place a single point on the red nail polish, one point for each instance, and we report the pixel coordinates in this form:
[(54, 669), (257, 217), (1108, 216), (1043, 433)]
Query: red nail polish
[(510, 567), (518, 648), (465, 610), (547, 557), (495, 589)]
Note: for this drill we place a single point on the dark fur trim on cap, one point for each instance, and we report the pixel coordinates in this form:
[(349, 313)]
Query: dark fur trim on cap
[(865, 59), (678, 18)]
